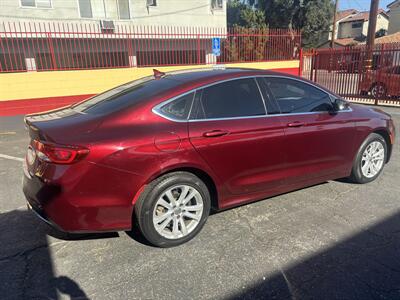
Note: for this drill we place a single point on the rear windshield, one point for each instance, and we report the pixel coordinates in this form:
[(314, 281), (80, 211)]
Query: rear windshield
[(126, 95)]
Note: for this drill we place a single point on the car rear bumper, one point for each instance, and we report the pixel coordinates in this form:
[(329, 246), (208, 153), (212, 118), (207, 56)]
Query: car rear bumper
[(77, 207), (42, 216)]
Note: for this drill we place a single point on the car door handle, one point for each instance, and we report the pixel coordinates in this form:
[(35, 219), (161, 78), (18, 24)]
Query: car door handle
[(215, 133), (295, 124)]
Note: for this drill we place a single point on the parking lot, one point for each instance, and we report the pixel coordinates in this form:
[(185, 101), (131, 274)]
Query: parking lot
[(335, 240)]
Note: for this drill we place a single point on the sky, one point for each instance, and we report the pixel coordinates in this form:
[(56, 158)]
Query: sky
[(361, 4)]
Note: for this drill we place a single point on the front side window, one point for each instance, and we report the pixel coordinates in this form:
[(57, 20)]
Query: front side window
[(235, 98), (294, 96), (126, 96), (85, 9), (179, 108)]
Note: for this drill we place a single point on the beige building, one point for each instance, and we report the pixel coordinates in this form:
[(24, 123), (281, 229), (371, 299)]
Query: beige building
[(352, 27), (356, 25), (210, 13), (340, 16), (394, 17)]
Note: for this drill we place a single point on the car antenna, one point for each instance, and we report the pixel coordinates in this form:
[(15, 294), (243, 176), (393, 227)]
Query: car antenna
[(158, 74)]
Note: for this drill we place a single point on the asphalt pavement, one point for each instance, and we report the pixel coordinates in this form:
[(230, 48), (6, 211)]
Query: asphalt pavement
[(335, 240)]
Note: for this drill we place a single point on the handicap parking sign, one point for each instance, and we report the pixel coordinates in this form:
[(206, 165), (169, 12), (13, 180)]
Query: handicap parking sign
[(216, 46)]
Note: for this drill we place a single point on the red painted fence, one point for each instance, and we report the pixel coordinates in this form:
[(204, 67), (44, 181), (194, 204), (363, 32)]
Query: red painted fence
[(50, 46), (357, 73)]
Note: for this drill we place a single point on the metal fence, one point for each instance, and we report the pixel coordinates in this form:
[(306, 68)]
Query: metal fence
[(357, 73), (62, 46)]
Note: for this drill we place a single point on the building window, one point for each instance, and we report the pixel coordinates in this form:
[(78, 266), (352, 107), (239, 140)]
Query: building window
[(36, 3), (85, 9), (123, 9), (357, 25), (217, 4)]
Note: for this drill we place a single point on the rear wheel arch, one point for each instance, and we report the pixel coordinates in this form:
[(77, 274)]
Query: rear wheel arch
[(147, 212), (203, 175)]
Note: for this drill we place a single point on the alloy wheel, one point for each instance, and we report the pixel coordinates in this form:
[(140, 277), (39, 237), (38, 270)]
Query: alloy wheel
[(178, 211), (372, 159), (378, 90)]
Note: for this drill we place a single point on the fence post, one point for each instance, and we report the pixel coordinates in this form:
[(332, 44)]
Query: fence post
[(51, 49), (301, 62), (198, 49), (379, 66), (316, 66), (312, 64)]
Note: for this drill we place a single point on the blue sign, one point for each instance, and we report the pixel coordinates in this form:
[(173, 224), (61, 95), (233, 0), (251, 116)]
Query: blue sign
[(216, 46)]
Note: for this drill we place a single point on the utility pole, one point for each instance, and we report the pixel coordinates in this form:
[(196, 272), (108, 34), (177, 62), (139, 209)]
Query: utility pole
[(373, 14), (334, 24)]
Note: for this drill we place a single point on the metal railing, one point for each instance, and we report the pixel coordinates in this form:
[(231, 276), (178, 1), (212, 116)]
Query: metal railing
[(50, 46)]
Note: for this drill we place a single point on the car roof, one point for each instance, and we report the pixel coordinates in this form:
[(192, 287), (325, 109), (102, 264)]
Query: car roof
[(196, 78), (150, 90), (202, 76)]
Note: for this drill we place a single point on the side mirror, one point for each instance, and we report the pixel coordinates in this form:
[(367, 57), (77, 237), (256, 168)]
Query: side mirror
[(340, 104)]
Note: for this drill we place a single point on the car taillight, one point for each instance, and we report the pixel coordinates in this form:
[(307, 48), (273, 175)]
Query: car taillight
[(59, 154)]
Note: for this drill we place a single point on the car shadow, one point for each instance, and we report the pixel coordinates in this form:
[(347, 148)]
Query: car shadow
[(364, 266), (26, 265), (137, 236)]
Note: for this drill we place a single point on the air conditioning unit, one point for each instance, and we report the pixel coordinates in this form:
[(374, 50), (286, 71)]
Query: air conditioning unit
[(151, 2), (107, 25)]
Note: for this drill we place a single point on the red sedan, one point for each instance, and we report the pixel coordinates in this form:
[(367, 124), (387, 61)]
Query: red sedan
[(381, 83), (161, 151)]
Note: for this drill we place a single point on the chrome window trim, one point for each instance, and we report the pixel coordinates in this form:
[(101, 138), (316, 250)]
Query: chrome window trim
[(157, 109), (268, 116), (262, 96)]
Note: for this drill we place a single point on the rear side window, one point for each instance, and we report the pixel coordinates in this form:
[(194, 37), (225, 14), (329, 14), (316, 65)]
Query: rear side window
[(126, 95), (294, 96), (235, 98), (178, 108)]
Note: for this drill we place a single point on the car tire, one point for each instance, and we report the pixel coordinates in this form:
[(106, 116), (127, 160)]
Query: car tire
[(161, 203), (378, 90), (370, 159)]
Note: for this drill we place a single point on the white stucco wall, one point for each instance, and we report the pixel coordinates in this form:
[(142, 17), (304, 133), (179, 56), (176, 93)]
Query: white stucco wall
[(166, 13), (394, 20)]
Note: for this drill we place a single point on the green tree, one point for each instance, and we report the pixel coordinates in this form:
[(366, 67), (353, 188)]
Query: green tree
[(281, 13), (243, 14), (313, 17), (314, 20)]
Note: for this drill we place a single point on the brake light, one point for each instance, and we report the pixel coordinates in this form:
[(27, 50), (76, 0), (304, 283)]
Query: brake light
[(59, 154)]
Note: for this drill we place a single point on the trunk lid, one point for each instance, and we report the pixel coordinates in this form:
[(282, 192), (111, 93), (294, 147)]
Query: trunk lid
[(61, 126)]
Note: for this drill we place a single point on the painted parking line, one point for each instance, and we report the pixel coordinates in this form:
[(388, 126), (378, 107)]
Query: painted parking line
[(11, 157)]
